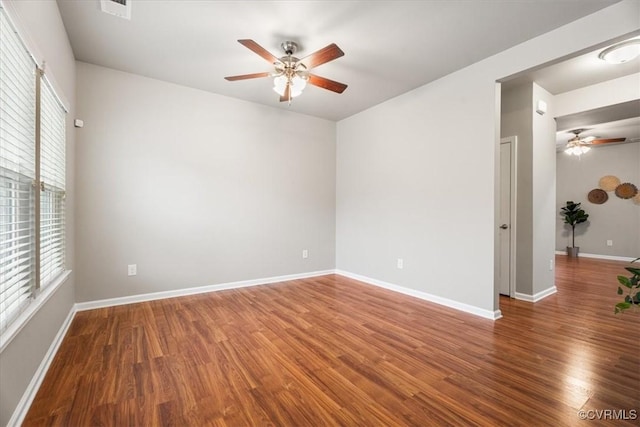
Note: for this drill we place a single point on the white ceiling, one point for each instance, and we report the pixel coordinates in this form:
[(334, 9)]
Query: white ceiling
[(583, 70), (390, 47)]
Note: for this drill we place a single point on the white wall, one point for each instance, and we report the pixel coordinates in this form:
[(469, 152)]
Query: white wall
[(40, 23), (195, 188), (416, 174), (405, 190), (544, 191), (616, 219)]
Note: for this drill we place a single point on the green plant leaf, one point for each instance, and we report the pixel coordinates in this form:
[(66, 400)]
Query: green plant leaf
[(620, 291), (622, 306), (573, 214), (625, 281), (633, 270)]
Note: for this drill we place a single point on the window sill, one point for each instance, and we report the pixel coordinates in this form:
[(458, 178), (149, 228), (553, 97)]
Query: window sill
[(23, 318)]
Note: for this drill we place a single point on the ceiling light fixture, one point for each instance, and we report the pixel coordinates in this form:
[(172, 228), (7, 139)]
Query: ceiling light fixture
[(575, 146), (621, 52), (296, 80), (296, 83), (291, 76), (577, 150)]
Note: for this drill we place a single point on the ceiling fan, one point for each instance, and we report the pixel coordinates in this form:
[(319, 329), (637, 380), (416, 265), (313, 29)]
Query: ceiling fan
[(578, 146), (291, 74)]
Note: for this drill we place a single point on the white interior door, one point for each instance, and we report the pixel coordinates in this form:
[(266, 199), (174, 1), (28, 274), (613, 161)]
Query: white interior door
[(504, 270)]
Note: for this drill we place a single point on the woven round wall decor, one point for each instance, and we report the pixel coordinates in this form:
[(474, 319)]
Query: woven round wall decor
[(609, 182), (597, 196), (626, 190)]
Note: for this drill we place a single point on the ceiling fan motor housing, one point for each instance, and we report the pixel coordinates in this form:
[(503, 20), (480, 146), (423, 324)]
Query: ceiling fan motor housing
[(289, 47)]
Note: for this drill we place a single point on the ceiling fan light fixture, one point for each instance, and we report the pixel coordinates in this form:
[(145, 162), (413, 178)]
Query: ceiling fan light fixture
[(297, 84), (621, 52), (577, 150)]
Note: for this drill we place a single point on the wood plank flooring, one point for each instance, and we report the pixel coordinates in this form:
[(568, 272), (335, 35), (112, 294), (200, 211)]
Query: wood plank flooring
[(333, 351)]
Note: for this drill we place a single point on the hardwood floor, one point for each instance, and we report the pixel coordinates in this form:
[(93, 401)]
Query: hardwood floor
[(333, 351)]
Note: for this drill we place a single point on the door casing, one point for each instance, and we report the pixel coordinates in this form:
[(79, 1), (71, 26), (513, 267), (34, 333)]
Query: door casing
[(513, 141)]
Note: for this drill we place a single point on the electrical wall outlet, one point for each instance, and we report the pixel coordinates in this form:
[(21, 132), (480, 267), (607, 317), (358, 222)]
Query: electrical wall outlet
[(609, 242), (132, 269), (305, 253), (400, 263)]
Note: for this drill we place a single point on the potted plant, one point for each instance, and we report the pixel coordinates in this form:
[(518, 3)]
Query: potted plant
[(632, 291), (573, 215)]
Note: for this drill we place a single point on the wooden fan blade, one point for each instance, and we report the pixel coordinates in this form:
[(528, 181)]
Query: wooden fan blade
[(322, 56), (247, 76), (327, 83), (287, 94), (255, 47), (606, 141)]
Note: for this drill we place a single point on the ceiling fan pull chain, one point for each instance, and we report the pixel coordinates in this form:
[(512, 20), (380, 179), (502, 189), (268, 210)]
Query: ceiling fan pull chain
[(289, 82)]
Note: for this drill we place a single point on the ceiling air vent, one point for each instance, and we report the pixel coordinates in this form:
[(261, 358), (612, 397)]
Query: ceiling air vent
[(120, 8)]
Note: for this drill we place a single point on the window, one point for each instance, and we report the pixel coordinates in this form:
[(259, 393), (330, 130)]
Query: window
[(32, 150)]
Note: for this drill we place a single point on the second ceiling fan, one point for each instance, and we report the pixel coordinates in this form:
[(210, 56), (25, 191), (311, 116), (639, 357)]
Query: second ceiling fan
[(292, 74), (577, 145)]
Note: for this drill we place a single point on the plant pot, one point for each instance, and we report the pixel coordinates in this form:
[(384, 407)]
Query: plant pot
[(573, 251)]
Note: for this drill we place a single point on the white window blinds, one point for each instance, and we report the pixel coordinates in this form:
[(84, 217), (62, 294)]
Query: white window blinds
[(52, 176), (32, 177), (17, 173)]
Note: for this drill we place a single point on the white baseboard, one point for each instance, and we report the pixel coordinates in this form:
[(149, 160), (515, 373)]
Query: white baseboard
[(537, 297), (110, 302), (30, 393), (487, 314), (607, 257)]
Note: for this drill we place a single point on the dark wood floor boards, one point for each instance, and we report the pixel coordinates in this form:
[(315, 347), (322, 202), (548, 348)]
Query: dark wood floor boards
[(334, 351)]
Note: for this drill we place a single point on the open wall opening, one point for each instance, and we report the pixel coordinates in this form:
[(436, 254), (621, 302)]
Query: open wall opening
[(541, 107)]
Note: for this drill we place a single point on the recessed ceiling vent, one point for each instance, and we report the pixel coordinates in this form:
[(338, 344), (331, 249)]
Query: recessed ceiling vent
[(120, 8)]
